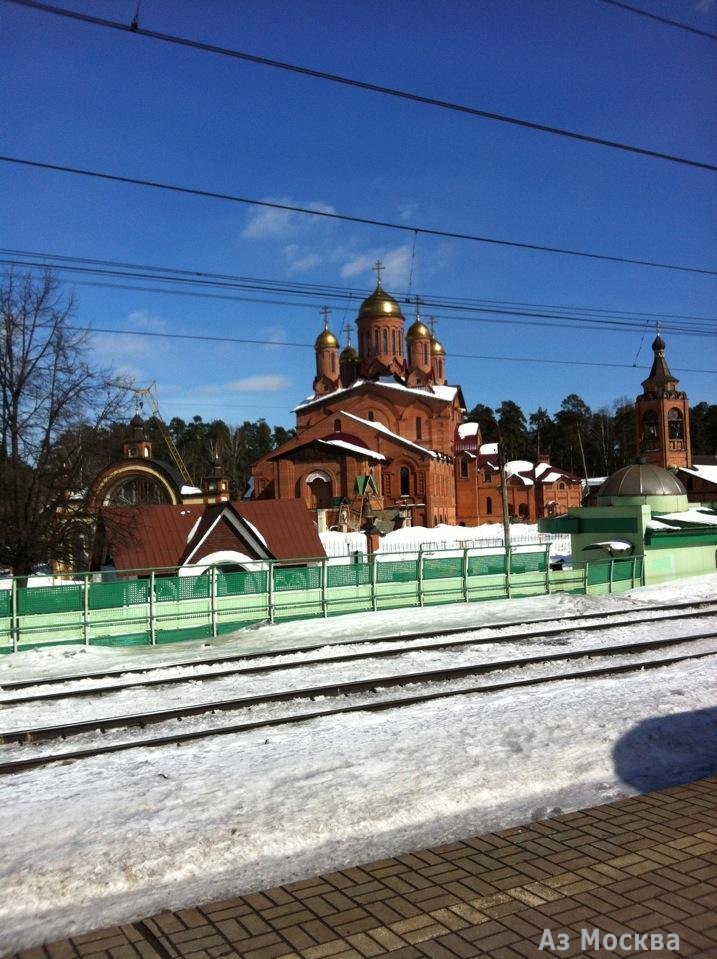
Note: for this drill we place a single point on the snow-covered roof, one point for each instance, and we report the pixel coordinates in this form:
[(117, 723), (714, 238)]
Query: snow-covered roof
[(468, 429), (517, 468), (445, 393), (189, 490), (693, 516), (489, 449), (380, 428), (352, 448), (703, 471)]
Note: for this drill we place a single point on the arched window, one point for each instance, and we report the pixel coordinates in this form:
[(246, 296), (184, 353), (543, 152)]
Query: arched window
[(523, 511), (319, 484), (675, 424), (464, 468), (375, 340), (337, 426), (400, 342), (488, 506), (385, 341), (649, 430), (393, 341), (419, 428), (370, 415), (425, 352), (488, 475), (405, 481), (333, 362), (561, 485)]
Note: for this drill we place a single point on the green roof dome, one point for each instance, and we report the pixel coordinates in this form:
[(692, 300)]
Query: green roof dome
[(642, 479)]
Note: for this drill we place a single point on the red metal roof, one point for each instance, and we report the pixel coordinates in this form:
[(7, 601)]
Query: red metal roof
[(152, 537)]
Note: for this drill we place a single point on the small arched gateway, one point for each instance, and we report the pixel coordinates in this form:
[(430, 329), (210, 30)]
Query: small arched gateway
[(320, 489)]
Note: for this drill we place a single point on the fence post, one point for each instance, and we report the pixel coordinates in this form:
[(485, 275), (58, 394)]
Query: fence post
[(152, 611), (270, 592), (324, 578), (508, 559), (213, 599), (610, 575), (86, 610), (586, 577), (465, 574), (547, 570), (420, 574), (14, 616), (372, 560)]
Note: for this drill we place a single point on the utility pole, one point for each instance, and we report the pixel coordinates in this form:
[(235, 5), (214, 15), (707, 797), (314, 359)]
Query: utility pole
[(504, 501)]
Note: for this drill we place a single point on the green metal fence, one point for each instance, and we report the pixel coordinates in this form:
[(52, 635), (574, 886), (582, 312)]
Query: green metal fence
[(147, 607)]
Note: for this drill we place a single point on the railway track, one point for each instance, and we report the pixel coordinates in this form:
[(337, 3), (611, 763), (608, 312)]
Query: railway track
[(581, 623), (582, 663)]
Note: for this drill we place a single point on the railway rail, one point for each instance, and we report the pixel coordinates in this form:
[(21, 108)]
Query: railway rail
[(623, 651), (591, 622)]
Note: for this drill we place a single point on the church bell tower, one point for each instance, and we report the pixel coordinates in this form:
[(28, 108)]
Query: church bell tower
[(663, 415)]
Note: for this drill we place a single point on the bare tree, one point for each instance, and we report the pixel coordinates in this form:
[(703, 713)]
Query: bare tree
[(50, 395)]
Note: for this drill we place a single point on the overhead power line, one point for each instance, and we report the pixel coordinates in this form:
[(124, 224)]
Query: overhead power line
[(136, 30), (346, 218), (55, 261), (203, 337), (665, 20), (470, 311)]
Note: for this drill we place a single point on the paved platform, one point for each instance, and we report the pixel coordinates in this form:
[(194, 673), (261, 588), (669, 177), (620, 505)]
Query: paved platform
[(640, 866)]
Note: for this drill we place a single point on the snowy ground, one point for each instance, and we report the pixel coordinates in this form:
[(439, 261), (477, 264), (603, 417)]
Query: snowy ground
[(120, 837)]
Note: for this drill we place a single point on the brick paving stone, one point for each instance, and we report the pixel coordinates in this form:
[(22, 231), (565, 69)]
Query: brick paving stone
[(641, 864)]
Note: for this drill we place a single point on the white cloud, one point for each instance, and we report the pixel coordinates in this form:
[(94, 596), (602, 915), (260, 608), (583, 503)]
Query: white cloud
[(397, 263), (275, 335), (301, 261), (144, 320), (261, 383), (407, 211), (268, 223)]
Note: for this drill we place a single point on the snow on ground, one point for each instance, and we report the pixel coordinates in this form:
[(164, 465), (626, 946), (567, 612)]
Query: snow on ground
[(120, 837)]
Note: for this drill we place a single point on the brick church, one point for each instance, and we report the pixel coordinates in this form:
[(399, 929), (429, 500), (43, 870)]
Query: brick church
[(383, 434)]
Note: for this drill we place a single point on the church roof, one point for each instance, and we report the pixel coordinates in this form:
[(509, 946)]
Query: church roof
[(380, 303), (444, 394), (660, 374), (380, 428)]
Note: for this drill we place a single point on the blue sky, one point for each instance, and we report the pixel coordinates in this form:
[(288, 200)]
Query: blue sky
[(89, 97)]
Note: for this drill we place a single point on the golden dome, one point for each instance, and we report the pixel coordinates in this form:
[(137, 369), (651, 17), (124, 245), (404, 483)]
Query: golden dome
[(437, 348), (348, 355), (380, 303), (326, 341), (417, 331)]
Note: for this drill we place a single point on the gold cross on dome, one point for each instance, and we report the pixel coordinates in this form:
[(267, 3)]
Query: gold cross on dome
[(432, 323), (325, 313), (378, 267), (347, 330), (417, 300)]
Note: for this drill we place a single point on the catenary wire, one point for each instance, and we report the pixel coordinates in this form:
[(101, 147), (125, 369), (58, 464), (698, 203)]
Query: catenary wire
[(601, 324), (589, 322), (203, 337), (344, 217), (54, 261), (136, 30), (665, 20)]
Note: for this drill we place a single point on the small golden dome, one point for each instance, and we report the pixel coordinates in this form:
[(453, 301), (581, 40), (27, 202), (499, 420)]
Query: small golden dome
[(437, 348), (380, 303), (417, 331), (348, 355), (326, 341)]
